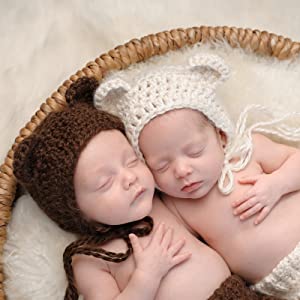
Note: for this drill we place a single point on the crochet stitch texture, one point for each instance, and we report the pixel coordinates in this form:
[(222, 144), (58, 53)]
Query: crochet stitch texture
[(45, 162), (168, 88)]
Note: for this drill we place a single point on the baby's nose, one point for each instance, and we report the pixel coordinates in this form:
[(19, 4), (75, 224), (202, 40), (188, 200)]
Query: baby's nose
[(129, 178), (182, 169)]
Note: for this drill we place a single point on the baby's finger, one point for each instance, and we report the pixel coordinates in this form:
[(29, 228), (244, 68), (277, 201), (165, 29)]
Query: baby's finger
[(167, 238), (245, 206), (264, 212), (252, 211), (246, 197), (158, 234), (175, 248), (178, 259), (136, 246), (248, 179)]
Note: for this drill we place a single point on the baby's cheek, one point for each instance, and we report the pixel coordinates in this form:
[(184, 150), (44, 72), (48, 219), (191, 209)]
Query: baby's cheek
[(145, 177), (162, 183), (216, 162), (157, 181)]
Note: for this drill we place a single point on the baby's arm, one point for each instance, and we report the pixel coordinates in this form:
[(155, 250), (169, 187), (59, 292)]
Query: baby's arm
[(281, 176), (152, 264)]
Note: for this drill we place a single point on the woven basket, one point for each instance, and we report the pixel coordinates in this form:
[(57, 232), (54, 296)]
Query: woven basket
[(121, 57)]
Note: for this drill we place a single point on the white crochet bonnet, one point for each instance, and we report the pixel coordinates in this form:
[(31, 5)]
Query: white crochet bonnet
[(167, 88), (185, 86)]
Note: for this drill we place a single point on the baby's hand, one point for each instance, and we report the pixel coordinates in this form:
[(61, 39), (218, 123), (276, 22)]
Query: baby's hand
[(259, 199), (160, 255)]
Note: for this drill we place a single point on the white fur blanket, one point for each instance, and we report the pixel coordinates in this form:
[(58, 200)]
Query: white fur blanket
[(43, 43)]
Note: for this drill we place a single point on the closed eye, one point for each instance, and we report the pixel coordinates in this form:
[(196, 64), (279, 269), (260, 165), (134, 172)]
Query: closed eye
[(195, 153), (161, 168), (106, 183), (133, 162)]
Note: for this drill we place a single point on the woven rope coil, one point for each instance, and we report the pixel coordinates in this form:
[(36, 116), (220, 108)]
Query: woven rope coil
[(121, 57)]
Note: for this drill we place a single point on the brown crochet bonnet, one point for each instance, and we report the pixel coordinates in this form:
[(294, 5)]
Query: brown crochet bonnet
[(45, 162)]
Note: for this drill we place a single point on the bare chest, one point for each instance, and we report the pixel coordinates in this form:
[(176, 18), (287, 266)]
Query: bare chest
[(212, 216), (198, 286), (251, 251)]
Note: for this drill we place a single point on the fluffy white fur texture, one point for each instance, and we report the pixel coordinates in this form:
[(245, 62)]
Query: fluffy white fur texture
[(33, 254), (44, 42)]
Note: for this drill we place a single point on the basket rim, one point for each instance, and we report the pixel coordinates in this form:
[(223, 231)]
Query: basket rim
[(120, 57)]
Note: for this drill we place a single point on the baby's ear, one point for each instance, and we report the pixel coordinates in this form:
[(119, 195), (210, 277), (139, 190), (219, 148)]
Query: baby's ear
[(82, 90), (212, 67), (222, 137), (110, 91), (24, 160)]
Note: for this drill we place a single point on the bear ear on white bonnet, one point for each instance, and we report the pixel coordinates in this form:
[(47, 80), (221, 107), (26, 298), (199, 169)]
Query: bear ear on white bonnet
[(110, 91), (212, 67)]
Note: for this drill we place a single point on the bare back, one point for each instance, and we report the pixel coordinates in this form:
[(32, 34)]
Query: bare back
[(198, 277)]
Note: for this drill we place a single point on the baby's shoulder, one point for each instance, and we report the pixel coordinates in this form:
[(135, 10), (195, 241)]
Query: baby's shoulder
[(88, 270), (270, 154), (259, 139), (261, 144), (93, 274), (82, 263)]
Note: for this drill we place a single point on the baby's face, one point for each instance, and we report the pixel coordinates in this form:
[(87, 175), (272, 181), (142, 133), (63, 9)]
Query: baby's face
[(112, 185), (184, 152)]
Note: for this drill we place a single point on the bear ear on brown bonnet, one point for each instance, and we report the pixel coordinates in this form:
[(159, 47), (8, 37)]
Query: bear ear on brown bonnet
[(82, 91), (24, 159)]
